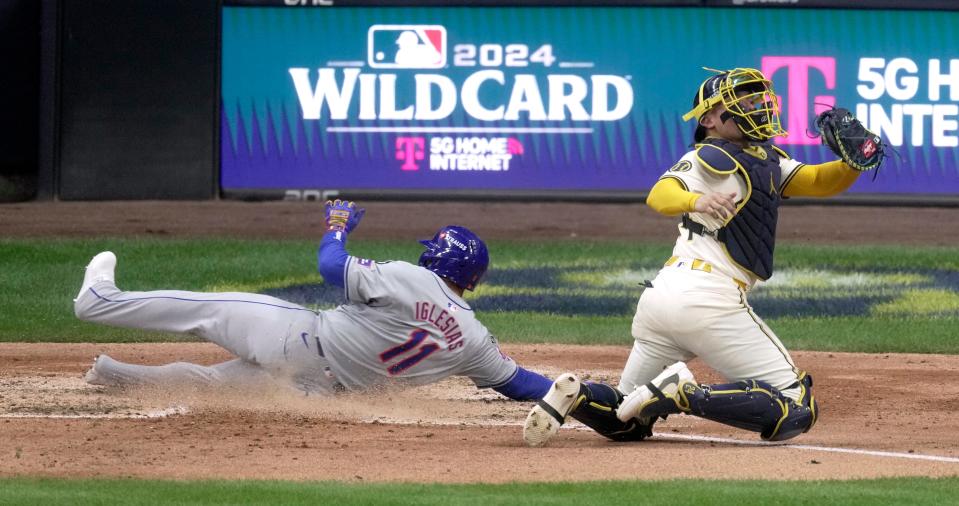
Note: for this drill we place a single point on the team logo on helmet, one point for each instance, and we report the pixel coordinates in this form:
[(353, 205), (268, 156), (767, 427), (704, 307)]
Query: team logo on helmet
[(452, 240), (457, 254)]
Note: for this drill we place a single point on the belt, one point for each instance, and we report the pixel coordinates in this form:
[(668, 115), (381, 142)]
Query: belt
[(696, 264), (692, 263), (695, 227), (327, 371)]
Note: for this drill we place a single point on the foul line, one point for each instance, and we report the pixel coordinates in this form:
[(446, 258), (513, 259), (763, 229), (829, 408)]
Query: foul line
[(711, 439), (856, 451), (180, 410), (504, 130), (162, 413)]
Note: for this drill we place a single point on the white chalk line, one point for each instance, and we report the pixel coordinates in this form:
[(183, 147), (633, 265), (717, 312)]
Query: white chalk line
[(831, 449), (711, 439), (180, 410), (161, 413)]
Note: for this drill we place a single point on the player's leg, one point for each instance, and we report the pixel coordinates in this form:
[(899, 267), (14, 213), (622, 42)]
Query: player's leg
[(768, 394), (741, 346), (755, 406), (658, 313), (593, 404), (647, 361), (256, 328), (107, 371), (597, 410)]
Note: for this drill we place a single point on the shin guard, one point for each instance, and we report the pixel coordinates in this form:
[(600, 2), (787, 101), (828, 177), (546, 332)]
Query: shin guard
[(597, 410), (755, 406)]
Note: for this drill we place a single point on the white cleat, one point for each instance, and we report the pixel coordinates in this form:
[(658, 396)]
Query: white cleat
[(99, 269), (92, 376), (549, 413), (668, 382)]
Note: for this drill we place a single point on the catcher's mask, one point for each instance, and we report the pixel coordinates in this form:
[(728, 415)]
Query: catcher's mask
[(457, 254), (749, 101)]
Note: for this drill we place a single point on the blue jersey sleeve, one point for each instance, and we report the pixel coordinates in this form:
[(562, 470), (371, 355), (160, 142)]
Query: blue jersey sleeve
[(525, 386), (333, 257)]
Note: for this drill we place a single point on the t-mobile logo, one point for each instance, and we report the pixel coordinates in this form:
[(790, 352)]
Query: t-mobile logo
[(797, 92), (410, 150)]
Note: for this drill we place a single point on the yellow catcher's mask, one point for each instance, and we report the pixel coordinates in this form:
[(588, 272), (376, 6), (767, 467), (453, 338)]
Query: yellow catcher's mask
[(748, 98)]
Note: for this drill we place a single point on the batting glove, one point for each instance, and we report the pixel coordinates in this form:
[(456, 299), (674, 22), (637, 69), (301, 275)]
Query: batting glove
[(343, 215)]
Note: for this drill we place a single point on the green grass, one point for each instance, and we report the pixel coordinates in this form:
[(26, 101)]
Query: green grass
[(674, 492), (848, 334), (869, 335), (869, 257), (528, 327), (41, 277)]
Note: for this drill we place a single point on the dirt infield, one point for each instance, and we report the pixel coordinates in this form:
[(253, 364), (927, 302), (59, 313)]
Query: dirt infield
[(450, 432), (900, 409), (496, 220)]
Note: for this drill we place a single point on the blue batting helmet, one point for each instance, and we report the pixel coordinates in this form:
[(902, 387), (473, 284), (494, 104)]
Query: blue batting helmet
[(457, 254)]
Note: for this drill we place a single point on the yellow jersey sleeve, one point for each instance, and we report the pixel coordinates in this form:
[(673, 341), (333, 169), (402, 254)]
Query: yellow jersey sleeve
[(823, 180), (670, 196)]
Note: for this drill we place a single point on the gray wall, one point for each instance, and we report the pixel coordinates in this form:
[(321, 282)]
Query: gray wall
[(136, 99), (19, 80)]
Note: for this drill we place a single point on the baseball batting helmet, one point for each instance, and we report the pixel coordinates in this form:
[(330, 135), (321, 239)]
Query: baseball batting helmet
[(734, 89), (457, 254)]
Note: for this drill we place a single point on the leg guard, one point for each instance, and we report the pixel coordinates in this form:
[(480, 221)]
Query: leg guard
[(753, 405), (597, 410), (658, 398)]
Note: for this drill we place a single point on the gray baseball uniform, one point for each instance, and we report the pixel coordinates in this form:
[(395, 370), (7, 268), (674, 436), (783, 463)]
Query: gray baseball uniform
[(402, 325)]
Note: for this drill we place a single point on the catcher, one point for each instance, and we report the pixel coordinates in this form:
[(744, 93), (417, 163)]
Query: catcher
[(727, 191)]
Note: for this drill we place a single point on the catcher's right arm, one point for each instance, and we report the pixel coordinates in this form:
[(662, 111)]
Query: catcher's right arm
[(846, 136)]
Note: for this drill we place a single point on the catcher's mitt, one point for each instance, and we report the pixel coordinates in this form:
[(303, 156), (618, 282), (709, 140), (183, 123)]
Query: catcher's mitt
[(849, 140)]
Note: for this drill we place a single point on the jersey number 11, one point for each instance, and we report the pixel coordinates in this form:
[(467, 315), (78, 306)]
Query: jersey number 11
[(416, 337)]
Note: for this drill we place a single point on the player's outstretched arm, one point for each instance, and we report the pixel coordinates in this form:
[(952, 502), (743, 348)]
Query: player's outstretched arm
[(823, 180), (525, 386), (333, 257), (341, 218), (858, 149)]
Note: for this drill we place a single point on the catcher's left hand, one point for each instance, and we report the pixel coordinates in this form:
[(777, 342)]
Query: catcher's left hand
[(343, 215), (849, 140)]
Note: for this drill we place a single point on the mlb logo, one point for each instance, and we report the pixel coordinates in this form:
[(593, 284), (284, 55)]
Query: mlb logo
[(406, 46)]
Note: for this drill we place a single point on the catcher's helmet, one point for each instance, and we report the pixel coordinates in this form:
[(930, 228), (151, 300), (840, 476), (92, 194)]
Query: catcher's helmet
[(748, 97), (457, 254)]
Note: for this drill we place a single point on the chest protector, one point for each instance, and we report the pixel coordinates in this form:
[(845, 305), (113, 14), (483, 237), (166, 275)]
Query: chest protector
[(750, 236)]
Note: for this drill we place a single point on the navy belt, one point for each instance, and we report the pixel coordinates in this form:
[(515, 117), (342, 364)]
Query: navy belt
[(695, 227)]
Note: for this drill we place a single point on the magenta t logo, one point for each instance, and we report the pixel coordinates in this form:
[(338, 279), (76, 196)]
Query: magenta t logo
[(797, 92), (409, 150)]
